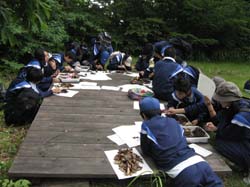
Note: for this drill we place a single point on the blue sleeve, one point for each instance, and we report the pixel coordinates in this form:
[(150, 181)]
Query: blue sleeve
[(47, 80), (145, 144), (230, 131), (172, 102), (45, 94), (198, 105)]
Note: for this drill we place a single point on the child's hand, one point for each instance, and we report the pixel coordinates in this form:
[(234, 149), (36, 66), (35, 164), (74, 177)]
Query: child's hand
[(68, 69), (210, 127), (56, 90), (171, 111), (56, 80), (195, 122), (207, 101), (99, 67)]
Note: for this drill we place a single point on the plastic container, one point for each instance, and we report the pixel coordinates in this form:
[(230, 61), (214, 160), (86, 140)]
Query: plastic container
[(203, 139)]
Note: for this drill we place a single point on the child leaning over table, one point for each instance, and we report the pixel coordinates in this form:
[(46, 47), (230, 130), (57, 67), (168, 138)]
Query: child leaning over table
[(163, 140), (232, 126), (187, 99)]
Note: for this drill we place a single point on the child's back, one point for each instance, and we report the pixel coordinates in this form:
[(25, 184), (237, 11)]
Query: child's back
[(162, 139)]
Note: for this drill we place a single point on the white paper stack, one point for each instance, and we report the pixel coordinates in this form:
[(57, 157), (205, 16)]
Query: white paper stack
[(129, 134), (115, 138)]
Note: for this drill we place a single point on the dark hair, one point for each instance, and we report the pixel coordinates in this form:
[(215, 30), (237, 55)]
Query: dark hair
[(148, 49), (151, 113), (39, 54), (170, 51), (182, 84), (71, 55), (34, 75)]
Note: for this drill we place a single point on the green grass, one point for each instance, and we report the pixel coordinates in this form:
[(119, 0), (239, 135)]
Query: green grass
[(234, 72), (10, 138)]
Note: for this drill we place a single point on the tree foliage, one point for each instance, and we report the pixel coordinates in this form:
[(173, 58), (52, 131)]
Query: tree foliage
[(218, 29)]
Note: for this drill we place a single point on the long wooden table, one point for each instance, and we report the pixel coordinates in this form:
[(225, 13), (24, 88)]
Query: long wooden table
[(68, 137)]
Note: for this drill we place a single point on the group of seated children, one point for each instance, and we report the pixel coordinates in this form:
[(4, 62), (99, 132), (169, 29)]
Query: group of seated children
[(228, 115), (32, 84)]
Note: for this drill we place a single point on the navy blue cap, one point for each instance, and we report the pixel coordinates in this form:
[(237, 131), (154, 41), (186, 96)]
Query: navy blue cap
[(149, 103)]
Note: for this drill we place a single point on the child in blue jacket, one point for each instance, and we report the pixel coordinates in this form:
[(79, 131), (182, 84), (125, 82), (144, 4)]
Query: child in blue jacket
[(163, 140), (165, 71), (232, 125), (186, 99)]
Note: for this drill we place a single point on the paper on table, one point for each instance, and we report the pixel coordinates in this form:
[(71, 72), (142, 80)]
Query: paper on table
[(116, 139), (131, 74), (146, 170), (90, 87), (138, 125), (70, 93), (88, 83), (126, 87), (76, 87), (137, 107), (97, 76), (114, 88), (85, 86), (200, 150), (129, 134)]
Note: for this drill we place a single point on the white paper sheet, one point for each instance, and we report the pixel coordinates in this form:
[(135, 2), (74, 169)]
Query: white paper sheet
[(116, 139), (76, 87), (113, 88), (131, 74), (70, 93), (126, 87), (96, 76), (86, 86), (136, 106), (90, 87), (88, 83), (138, 125), (129, 134), (146, 170), (200, 150), (206, 85)]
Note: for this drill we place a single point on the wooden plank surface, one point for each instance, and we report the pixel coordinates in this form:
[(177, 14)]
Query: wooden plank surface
[(69, 135)]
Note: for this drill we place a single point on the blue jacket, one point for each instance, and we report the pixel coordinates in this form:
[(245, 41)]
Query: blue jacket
[(162, 139), (190, 105), (192, 74), (142, 63), (59, 58), (234, 122), (165, 72), (38, 65), (17, 85), (159, 47)]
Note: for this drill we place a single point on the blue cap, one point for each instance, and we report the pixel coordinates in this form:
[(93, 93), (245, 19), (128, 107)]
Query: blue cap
[(149, 103)]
